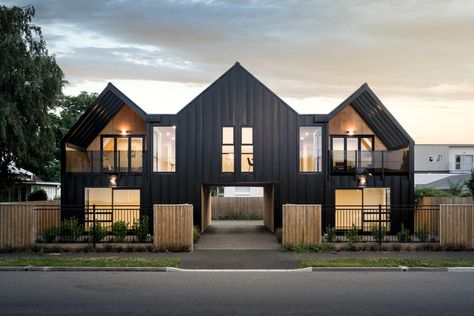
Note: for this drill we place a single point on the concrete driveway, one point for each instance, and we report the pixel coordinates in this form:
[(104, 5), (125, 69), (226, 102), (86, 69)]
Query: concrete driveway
[(236, 235)]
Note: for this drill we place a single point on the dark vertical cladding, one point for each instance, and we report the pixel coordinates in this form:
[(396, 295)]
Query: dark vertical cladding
[(239, 100)]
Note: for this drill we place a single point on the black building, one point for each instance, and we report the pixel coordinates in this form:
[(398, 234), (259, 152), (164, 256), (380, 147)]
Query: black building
[(237, 132)]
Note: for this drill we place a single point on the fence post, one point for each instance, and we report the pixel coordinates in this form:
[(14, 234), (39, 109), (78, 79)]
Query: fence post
[(93, 226), (380, 235)]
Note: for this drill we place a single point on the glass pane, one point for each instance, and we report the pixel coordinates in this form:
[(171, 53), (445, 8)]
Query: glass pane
[(101, 197), (348, 209), (372, 198), (164, 149), (310, 149), (126, 206), (122, 154), (351, 153), (227, 158), (227, 135), (108, 148), (136, 154), (247, 137), (338, 163), (366, 147), (246, 160)]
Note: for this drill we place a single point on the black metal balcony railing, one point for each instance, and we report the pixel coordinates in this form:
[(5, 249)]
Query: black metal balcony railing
[(107, 161), (344, 161)]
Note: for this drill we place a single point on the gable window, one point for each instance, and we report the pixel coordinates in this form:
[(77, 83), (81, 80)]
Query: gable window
[(164, 149), (122, 153), (310, 149), (227, 149), (246, 154), (348, 151)]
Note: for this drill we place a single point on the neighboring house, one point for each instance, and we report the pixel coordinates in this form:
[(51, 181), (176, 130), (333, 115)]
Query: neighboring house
[(27, 183), (438, 165), (243, 192), (238, 133)]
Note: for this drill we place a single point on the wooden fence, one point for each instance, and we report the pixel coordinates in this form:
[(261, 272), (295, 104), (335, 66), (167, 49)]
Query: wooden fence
[(17, 225), (457, 225), (438, 200), (225, 207), (301, 224), (173, 227)]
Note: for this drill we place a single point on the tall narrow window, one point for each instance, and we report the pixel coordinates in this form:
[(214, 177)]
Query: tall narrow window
[(164, 149), (122, 154), (136, 154), (246, 155), (108, 154), (227, 149), (310, 149)]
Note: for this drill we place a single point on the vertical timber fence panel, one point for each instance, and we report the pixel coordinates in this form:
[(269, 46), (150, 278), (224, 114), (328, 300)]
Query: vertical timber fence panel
[(17, 225), (457, 225), (173, 227), (301, 224)]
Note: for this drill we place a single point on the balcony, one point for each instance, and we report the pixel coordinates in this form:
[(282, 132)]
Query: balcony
[(105, 162), (380, 161)]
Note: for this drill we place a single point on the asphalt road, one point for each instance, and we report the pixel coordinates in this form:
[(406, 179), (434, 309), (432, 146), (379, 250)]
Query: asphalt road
[(218, 293)]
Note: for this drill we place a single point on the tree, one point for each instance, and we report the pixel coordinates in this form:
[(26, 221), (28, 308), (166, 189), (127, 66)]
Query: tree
[(470, 183), (70, 110), (38, 195), (30, 83)]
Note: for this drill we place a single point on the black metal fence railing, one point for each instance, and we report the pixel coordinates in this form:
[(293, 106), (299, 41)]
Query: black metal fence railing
[(94, 224), (381, 223), (377, 161)]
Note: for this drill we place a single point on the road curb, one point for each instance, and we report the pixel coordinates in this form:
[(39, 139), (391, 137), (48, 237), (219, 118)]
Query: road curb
[(84, 269), (379, 269)]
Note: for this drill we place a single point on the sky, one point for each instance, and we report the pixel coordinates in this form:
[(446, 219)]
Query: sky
[(417, 56)]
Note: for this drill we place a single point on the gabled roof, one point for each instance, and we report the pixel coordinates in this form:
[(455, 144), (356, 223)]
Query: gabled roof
[(96, 117), (377, 116), (225, 76)]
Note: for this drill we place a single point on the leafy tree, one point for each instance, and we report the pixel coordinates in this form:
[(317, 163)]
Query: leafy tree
[(69, 109), (30, 83), (38, 195), (470, 183)]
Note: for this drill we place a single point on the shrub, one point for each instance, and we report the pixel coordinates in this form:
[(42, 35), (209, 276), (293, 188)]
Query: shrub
[(470, 183), (98, 231), (330, 234), (456, 188), (421, 192), (308, 248), (279, 235), (119, 230), (70, 229), (50, 234), (403, 235), (140, 228), (38, 195), (240, 217), (196, 234), (352, 235), (379, 233), (422, 234)]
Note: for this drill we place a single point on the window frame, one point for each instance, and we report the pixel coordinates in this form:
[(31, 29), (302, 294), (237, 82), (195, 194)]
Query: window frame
[(175, 149), (299, 149), (242, 144), (359, 137), (129, 153), (222, 144)]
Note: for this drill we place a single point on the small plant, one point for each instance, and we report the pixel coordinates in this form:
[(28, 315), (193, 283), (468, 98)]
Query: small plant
[(470, 183), (422, 234), (98, 231), (38, 195), (196, 234), (279, 235), (140, 228), (379, 233), (301, 248), (119, 230), (456, 188), (330, 234), (50, 234), (352, 236), (70, 229), (403, 235)]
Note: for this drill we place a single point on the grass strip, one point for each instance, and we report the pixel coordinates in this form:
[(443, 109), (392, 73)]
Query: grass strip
[(90, 262), (385, 262)]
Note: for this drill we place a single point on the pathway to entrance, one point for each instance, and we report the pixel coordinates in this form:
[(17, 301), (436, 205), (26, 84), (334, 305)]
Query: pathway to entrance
[(236, 235)]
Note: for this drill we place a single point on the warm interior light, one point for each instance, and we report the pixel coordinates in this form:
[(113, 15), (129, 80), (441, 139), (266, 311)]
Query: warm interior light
[(174, 126), (362, 180), (350, 132), (112, 180), (124, 132)]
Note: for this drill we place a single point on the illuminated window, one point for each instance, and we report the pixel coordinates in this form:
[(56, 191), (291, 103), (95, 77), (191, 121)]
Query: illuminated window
[(227, 149), (310, 149), (164, 149), (122, 153), (246, 155), (108, 153)]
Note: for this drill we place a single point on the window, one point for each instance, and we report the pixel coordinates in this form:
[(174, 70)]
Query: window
[(227, 149), (347, 151), (464, 162), (124, 204), (164, 149), (351, 203), (246, 155), (310, 149), (122, 153)]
